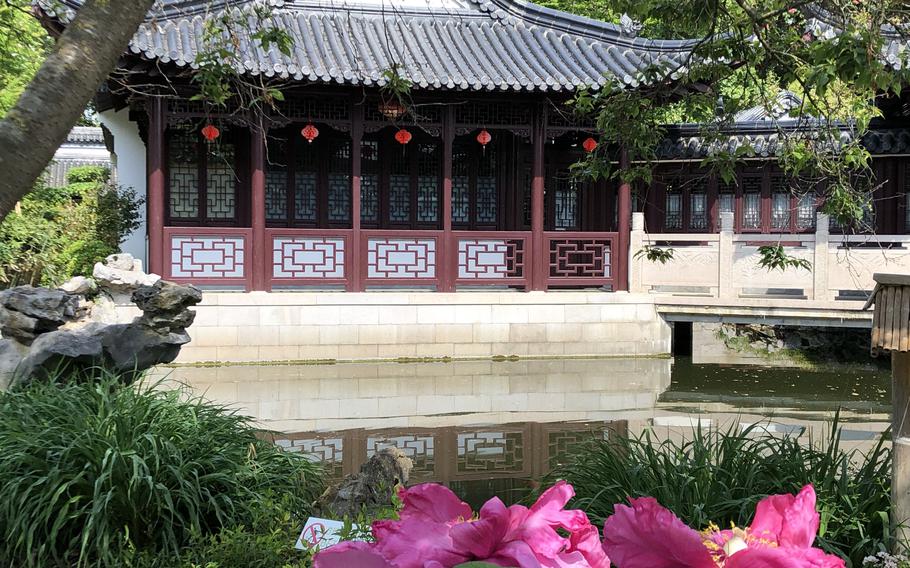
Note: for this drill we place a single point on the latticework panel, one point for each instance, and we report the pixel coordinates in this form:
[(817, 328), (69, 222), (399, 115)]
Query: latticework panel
[(419, 447), (305, 175), (221, 182), (487, 191), (315, 109), (339, 194), (183, 174), (563, 443), (461, 204), (390, 258), (482, 259), (428, 170), (484, 451), (276, 196), (698, 211), (579, 258), (565, 201), (369, 181), (207, 257), (493, 113), (805, 211), (751, 186), (780, 202), (308, 257)]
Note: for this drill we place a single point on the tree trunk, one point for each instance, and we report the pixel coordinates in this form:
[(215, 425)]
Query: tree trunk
[(54, 100)]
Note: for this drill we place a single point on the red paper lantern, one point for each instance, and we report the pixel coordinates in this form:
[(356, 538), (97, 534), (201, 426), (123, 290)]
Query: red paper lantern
[(484, 138), (403, 136), (589, 145), (210, 132), (309, 132)]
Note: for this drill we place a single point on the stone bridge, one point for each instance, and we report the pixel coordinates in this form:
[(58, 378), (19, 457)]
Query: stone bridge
[(716, 277)]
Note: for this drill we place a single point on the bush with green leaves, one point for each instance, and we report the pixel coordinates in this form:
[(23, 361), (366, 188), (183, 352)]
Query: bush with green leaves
[(57, 233), (92, 473), (720, 475)]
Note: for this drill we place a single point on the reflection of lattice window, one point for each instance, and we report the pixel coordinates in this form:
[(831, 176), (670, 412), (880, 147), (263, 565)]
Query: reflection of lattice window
[(369, 181), (805, 211), (490, 451), (428, 183), (673, 211), (419, 448)]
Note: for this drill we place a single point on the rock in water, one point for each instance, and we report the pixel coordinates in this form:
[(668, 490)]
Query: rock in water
[(371, 489)]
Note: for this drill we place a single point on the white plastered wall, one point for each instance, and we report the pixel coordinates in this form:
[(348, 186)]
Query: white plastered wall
[(129, 160)]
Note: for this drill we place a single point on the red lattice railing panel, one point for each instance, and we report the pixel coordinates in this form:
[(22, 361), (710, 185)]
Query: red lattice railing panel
[(401, 259), (308, 257), (491, 259), (207, 257), (580, 258)]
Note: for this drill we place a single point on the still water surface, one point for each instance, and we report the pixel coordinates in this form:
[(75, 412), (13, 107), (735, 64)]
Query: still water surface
[(485, 427)]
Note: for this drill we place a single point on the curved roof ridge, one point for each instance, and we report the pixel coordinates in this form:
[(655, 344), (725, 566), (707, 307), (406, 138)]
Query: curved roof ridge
[(577, 25)]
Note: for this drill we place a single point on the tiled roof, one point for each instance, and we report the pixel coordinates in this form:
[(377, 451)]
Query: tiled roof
[(439, 44)]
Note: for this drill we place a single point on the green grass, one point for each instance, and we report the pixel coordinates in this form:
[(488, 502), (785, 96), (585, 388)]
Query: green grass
[(92, 469), (719, 476)]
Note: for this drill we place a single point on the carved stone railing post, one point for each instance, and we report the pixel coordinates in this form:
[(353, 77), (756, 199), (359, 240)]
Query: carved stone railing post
[(820, 292), (726, 257), (636, 241)]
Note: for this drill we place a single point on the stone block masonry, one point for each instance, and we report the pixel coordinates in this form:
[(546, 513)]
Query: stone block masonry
[(305, 326)]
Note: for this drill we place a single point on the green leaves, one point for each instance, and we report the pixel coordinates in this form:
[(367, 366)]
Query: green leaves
[(774, 257), (655, 254)]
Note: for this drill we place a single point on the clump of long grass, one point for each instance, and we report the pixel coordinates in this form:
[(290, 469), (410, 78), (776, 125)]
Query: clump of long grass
[(720, 475), (90, 470)]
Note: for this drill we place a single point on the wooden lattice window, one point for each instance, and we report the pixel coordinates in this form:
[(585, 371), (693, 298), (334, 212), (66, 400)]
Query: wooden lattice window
[(308, 184), (475, 184), (203, 178)]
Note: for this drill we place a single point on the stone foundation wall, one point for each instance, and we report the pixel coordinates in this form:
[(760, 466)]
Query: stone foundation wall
[(297, 326)]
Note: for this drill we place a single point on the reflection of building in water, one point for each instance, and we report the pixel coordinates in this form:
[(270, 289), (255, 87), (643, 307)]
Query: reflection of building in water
[(392, 395), (453, 454)]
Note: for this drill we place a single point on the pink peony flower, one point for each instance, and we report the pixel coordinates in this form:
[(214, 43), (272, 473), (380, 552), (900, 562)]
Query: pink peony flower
[(645, 535), (437, 530)]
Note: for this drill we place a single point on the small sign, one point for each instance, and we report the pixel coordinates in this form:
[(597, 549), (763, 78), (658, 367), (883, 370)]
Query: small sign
[(319, 533)]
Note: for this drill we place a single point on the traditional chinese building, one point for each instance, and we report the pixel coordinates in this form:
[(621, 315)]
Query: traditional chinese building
[(466, 187)]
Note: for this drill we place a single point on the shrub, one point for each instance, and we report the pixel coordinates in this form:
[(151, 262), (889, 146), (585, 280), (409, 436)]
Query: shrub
[(91, 470), (60, 232), (719, 476)]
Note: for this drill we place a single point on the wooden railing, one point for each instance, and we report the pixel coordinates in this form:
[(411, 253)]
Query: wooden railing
[(325, 258)]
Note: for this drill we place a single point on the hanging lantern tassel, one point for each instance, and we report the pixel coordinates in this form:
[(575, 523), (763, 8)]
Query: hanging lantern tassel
[(403, 136), (309, 132), (589, 145), (210, 132), (484, 138)]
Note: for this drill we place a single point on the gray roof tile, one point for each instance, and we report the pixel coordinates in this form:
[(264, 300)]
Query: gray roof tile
[(440, 44)]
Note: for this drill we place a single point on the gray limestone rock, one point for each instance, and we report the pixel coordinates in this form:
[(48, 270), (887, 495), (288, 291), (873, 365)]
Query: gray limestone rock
[(120, 261), (48, 331), (26, 311), (79, 285), (369, 490)]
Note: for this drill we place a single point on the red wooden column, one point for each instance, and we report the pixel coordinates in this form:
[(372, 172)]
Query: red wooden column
[(155, 169), (541, 256), (261, 261), (355, 279), (621, 258), (448, 265)]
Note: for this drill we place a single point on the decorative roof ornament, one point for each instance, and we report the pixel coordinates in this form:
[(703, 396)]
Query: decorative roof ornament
[(630, 27), (309, 132)]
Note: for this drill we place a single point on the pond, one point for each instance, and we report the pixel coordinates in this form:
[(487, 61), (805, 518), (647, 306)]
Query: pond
[(492, 427)]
